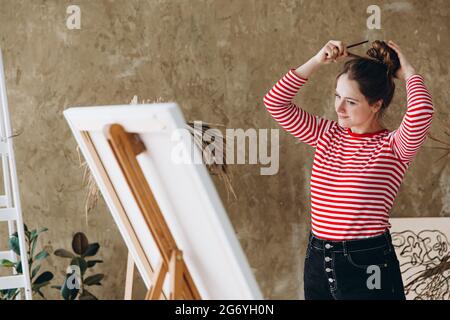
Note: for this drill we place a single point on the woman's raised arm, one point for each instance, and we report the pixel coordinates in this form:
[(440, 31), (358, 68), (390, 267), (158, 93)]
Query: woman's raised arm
[(278, 101), (411, 134)]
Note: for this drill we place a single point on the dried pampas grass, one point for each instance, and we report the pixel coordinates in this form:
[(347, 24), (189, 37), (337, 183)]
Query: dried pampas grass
[(88, 181), (445, 144), (214, 164)]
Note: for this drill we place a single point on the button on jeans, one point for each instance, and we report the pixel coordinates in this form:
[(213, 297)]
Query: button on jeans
[(366, 269)]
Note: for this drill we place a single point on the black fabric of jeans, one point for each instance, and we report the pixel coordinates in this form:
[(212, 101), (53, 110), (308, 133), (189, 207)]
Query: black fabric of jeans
[(366, 269)]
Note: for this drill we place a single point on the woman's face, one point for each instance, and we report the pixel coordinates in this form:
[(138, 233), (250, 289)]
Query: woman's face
[(351, 105)]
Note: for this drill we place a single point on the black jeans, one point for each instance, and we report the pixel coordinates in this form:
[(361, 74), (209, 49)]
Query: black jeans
[(366, 269)]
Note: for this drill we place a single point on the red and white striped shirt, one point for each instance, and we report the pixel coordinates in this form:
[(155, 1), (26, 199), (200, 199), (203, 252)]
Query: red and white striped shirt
[(355, 177)]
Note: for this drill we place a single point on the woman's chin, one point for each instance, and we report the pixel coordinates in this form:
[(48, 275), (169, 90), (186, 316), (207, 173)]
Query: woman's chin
[(344, 123)]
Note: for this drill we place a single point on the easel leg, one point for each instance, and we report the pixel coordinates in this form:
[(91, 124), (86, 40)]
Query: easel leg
[(176, 271), (155, 292), (129, 278)]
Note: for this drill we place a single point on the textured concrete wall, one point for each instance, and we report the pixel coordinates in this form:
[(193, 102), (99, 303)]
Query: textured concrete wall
[(217, 59)]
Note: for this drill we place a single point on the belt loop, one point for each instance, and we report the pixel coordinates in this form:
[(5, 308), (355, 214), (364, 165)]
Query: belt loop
[(389, 243), (344, 247)]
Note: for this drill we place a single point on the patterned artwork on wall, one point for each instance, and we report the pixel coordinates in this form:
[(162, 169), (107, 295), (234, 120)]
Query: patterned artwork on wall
[(422, 247)]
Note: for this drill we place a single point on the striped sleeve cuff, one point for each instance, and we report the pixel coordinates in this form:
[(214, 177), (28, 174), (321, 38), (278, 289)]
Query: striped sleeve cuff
[(296, 77)]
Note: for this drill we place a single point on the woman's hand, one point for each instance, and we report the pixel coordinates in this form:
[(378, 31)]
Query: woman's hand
[(333, 51), (406, 70)]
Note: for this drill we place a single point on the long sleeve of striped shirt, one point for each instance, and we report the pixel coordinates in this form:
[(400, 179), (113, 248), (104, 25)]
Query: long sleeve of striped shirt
[(278, 101), (411, 134)]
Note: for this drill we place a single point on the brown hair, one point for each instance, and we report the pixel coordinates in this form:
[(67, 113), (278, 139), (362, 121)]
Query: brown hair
[(374, 73)]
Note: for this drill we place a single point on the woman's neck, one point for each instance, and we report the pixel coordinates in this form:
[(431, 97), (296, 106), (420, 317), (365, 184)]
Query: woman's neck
[(373, 127)]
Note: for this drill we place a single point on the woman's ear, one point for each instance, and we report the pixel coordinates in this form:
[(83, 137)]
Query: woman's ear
[(377, 106)]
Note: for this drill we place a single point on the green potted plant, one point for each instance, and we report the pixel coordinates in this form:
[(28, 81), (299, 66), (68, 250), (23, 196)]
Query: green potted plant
[(34, 262), (75, 280)]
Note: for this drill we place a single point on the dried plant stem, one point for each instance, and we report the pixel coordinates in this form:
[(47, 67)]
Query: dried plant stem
[(446, 144), (93, 193)]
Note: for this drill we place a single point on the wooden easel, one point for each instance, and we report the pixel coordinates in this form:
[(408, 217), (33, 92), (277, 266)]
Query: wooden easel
[(126, 147)]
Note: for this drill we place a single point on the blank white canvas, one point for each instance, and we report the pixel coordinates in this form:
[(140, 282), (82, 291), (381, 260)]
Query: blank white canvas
[(185, 193)]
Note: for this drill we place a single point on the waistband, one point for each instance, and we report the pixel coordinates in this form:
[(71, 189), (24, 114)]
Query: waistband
[(383, 240)]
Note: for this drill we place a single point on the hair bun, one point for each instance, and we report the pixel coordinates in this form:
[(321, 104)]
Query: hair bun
[(381, 52)]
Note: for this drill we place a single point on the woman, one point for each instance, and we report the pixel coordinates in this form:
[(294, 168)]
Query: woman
[(357, 170)]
